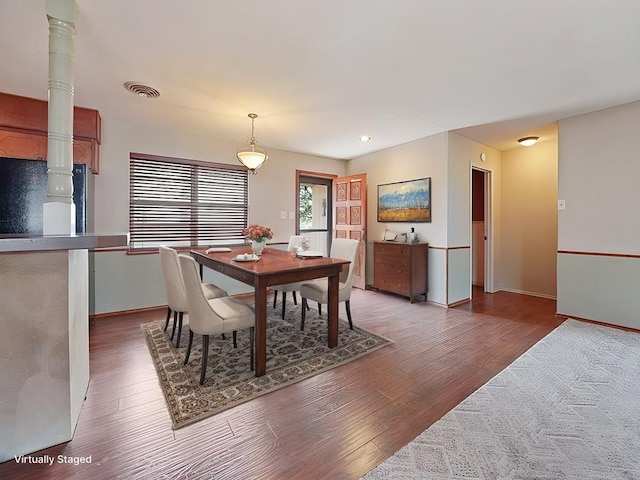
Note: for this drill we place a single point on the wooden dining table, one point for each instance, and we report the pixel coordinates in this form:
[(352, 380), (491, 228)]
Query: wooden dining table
[(275, 267)]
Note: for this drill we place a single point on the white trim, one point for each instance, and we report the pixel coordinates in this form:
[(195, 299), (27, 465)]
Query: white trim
[(523, 292)]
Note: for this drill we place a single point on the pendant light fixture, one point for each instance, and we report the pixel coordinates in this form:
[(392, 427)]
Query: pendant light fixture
[(252, 156)]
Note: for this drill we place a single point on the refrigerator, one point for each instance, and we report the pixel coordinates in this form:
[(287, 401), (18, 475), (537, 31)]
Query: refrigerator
[(23, 192)]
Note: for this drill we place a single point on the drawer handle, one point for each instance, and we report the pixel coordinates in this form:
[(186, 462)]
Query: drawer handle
[(220, 268)]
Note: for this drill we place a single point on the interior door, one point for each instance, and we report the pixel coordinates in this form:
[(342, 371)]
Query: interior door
[(350, 217)]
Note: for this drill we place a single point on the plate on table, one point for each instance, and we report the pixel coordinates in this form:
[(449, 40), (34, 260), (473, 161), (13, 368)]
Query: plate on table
[(245, 258), (309, 254)]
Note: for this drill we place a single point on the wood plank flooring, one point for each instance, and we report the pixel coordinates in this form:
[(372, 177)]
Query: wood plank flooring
[(336, 425)]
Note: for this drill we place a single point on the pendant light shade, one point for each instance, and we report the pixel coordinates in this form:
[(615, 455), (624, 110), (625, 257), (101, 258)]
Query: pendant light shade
[(252, 156)]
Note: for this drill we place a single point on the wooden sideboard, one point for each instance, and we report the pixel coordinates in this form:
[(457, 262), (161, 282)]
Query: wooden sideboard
[(401, 268), (23, 131)]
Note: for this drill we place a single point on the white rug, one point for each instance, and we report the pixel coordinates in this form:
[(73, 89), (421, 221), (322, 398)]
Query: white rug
[(569, 408)]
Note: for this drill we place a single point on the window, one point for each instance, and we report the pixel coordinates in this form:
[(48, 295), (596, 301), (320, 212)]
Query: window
[(313, 206), (185, 203)]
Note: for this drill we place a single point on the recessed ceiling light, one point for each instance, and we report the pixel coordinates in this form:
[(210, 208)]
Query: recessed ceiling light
[(141, 89), (527, 141), (365, 138)]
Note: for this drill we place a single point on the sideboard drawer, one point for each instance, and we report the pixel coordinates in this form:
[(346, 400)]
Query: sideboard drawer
[(386, 269), (401, 260)]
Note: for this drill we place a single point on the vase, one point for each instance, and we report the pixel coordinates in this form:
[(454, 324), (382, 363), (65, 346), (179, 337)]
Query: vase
[(258, 246)]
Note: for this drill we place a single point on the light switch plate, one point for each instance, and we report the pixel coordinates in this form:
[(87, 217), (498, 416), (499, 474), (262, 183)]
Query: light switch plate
[(562, 204), (292, 215), (283, 215)]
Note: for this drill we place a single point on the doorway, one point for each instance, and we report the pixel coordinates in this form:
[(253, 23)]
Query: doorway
[(481, 239), (314, 209), (330, 206)]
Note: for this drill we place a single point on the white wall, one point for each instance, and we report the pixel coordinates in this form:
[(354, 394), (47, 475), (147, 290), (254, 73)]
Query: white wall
[(599, 232), (530, 219), (124, 282), (127, 282), (464, 154), (426, 157)]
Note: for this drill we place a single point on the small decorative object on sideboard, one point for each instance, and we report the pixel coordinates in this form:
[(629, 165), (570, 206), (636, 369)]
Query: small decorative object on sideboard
[(413, 236)]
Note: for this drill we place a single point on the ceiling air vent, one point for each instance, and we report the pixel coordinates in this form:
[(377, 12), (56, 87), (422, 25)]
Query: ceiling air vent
[(142, 90)]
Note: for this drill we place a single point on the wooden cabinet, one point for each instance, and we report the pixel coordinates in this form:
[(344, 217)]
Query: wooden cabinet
[(23, 131), (401, 268)]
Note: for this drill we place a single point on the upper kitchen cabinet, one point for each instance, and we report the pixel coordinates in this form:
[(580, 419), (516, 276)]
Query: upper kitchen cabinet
[(23, 131)]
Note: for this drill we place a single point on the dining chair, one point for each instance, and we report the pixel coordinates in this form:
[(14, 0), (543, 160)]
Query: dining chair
[(318, 289), (294, 240), (212, 316), (175, 290)]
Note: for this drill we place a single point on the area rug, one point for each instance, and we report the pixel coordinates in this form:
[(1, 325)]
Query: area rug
[(568, 408), (292, 355)]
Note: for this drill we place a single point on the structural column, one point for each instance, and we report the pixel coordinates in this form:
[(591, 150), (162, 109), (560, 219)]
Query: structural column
[(59, 210)]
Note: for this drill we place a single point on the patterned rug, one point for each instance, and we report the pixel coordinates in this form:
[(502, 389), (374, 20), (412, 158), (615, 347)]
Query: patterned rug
[(292, 355), (568, 408)]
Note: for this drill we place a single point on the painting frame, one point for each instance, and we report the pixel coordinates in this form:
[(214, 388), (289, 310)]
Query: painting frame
[(405, 201)]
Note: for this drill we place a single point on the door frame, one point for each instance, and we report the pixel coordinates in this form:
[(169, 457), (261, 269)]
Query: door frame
[(488, 230), (324, 176)]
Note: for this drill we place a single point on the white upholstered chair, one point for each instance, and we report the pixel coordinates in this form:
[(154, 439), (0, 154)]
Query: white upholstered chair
[(318, 289), (214, 316), (294, 240), (175, 291)]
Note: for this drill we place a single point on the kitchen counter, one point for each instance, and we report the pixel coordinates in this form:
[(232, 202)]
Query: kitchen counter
[(44, 346), (38, 243)]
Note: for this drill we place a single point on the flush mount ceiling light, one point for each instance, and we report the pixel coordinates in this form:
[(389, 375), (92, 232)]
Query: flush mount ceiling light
[(365, 138), (252, 156), (527, 141), (142, 90)]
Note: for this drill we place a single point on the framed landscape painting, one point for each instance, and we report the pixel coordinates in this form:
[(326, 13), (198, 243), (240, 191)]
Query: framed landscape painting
[(408, 201)]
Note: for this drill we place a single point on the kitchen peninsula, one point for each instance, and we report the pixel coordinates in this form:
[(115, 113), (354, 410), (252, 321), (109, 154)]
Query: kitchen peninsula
[(44, 346)]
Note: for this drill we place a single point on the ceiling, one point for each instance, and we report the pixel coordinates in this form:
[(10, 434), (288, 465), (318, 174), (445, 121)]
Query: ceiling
[(321, 74)]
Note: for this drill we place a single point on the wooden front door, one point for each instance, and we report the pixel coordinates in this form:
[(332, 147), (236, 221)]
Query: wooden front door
[(350, 217)]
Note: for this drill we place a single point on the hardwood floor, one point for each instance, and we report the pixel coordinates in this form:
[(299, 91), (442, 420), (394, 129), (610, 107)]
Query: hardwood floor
[(336, 425)]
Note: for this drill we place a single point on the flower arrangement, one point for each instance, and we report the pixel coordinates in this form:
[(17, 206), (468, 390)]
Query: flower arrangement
[(257, 233)]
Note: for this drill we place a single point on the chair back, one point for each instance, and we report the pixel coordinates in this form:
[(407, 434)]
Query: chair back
[(294, 240), (173, 285), (202, 318), (346, 249)]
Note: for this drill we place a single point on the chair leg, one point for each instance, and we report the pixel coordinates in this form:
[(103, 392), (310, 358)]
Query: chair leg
[(304, 311), (284, 303), (166, 323), (186, 357), (235, 339), (295, 298), (347, 305), (319, 309), (275, 297), (175, 322), (179, 329), (205, 354), (251, 333)]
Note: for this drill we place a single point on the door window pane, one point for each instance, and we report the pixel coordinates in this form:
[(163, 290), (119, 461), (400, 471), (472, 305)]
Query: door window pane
[(313, 206)]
